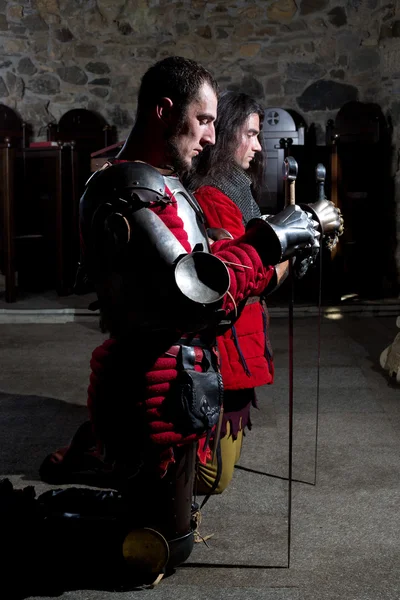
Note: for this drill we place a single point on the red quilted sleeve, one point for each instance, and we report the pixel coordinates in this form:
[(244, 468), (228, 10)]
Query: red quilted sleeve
[(219, 210), (248, 275)]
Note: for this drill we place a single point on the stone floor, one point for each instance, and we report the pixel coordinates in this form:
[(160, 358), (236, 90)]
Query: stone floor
[(345, 529)]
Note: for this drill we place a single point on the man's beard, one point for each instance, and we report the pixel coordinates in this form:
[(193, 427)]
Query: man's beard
[(175, 158)]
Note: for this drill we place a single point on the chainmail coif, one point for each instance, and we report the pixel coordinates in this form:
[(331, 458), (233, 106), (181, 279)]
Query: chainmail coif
[(237, 186)]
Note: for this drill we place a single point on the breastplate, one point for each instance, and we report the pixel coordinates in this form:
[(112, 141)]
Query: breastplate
[(191, 220)]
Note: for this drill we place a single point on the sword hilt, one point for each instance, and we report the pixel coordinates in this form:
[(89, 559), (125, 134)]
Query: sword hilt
[(320, 175), (290, 170)]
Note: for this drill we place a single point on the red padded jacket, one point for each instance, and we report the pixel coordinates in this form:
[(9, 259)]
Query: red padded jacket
[(246, 356)]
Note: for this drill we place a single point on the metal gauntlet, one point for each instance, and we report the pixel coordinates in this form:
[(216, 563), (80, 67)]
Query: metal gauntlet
[(280, 236), (329, 218)]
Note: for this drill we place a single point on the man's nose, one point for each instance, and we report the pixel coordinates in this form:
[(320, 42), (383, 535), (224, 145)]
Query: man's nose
[(209, 135), (256, 145)]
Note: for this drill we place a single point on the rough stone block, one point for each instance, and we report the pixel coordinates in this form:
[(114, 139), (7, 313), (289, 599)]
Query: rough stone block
[(26, 66), (110, 9), (204, 32), (261, 69), (182, 28), (44, 84), (34, 22), (254, 13), (250, 86), (47, 7), (15, 85), (273, 85), (35, 111), (337, 73), (120, 117), (85, 51), (282, 11), (99, 92), (222, 33), (15, 13), (273, 51), (146, 52), (365, 59), (17, 29), (293, 87), (244, 30), (311, 6), (3, 23), (99, 68), (304, 71), (347, 42), (249, 50), (63, 35), (73, 75)]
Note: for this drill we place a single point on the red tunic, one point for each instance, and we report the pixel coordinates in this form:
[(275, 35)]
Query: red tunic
[(246, 360)]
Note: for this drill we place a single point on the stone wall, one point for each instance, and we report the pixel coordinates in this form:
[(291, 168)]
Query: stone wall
[(308, 55)]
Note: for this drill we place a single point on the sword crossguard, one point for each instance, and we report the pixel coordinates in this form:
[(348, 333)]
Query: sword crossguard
[(290, 170), (324, 212), (320, 175), (320, 172)]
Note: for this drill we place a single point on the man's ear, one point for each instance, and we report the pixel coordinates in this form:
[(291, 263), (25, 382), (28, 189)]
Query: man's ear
[(165, 110)]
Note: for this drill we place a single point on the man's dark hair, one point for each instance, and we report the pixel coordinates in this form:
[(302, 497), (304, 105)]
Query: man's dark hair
[(175, 77), (234, 108)]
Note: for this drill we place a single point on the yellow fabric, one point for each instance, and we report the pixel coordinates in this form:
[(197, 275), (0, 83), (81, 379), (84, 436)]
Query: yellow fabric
[(230, 454)]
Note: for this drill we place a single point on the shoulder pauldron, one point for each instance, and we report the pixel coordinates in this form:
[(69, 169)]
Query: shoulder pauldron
[(131, 181)]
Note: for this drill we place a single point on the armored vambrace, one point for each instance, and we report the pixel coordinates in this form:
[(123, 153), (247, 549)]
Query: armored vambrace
[(278, 237)]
